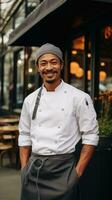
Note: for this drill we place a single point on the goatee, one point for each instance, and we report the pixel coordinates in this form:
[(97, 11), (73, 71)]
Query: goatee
[(50, 81)]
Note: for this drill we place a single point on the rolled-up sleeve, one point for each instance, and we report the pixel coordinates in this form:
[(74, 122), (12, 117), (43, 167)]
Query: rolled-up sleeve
[(87, 120), (24, 126)]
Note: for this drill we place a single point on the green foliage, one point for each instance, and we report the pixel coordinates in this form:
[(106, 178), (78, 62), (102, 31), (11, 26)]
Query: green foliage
[(105, 126)]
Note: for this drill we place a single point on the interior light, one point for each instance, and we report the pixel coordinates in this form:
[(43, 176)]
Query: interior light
[(102, 75), (102, 64), (80, 72), (89, 75), (89, 55), (74, 67), (74, 52), (108, 32), (30, 70), (19, 61)]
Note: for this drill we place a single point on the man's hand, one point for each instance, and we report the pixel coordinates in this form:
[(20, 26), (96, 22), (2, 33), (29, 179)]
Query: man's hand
[(85, 156), (24, 155)]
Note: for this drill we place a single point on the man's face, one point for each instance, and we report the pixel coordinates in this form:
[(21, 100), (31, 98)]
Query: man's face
[(49, 67)]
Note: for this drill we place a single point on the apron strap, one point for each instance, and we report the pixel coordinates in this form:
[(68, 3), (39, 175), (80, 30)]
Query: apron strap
[(36, 104)]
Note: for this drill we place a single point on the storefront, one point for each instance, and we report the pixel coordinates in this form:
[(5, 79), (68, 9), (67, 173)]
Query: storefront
[(83, 32)]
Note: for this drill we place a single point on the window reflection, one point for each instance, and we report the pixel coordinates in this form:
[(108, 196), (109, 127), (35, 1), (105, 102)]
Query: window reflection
[(33, 76), (19, 15), (7, 31), (77, 63), (31, 5), (105, 71), (20, 77), (8, 79)]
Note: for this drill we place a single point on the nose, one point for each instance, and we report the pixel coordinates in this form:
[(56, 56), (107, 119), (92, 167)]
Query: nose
[(49, 66)]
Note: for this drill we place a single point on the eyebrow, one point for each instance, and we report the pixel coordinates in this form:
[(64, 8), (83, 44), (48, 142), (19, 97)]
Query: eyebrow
[(54, 59)]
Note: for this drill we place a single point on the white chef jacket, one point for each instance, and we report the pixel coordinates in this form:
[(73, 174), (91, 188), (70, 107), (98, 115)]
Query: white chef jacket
[(64, 116)]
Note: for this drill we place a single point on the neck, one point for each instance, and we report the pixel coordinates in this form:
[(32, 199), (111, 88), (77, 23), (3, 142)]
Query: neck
[(52, 86)]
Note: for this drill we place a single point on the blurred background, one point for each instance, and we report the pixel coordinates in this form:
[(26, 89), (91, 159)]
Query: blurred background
[(83, 30)]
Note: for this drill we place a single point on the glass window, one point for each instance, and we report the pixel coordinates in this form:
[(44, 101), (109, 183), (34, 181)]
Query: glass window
[(33, 76), (105, 70), (77, 62), (31, 5), (8, 78), (8, 29), (88, 65), (19, 15), (0, 41), (20, 77)]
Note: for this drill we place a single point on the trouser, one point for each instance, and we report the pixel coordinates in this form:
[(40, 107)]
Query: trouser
[(50, 178)]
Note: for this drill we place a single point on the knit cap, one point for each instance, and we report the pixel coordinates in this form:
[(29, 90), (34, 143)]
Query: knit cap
[(49, 48)]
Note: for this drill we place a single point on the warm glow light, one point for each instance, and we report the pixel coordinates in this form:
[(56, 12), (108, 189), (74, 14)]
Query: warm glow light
[(78, 43), (89, 55), (108, 32), (19, 61), (74, 67), (29, 85), (74, 52), (30, 70), (102, 75), (102, 64), (80, 72), (89, 75)]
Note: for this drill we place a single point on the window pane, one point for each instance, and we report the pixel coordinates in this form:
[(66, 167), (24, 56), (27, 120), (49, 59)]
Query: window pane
[(7, 31), (20, 15), (20, 77), (33, 76), (105, 70), (8, 78), (77, 63)]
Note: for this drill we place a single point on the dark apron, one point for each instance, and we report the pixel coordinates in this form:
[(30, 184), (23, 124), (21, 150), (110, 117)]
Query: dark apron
[(50, 178)]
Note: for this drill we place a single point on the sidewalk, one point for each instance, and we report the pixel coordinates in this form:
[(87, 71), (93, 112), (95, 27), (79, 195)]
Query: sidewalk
[(9, 183)]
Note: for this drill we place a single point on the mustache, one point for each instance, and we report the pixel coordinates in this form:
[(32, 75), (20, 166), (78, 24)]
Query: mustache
[(48, 71)]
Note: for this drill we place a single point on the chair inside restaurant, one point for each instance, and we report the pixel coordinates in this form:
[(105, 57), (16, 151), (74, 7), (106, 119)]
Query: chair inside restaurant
[(7, 148)]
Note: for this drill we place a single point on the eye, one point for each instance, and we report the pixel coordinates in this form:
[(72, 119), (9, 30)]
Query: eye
[(42, 64), (54, 62)]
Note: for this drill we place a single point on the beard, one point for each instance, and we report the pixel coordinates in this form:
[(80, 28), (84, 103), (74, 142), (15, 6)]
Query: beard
[(50, 81)]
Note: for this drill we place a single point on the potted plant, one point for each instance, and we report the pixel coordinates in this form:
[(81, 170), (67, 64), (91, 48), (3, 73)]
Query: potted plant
[(105, 121)]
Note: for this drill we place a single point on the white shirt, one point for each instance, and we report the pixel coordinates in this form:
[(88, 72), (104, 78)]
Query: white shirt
[(63, 117)]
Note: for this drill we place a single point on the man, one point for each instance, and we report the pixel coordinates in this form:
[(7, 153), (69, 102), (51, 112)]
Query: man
[(53, 120)]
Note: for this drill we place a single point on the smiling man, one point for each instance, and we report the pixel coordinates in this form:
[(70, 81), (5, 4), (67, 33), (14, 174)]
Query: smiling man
[(53, 120)]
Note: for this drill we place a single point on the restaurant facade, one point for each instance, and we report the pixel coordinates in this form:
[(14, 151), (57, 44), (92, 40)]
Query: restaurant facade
[(82, 31)]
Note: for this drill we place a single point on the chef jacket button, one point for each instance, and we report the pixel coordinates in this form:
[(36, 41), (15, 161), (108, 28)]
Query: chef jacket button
[(62, 109), (65, 91)]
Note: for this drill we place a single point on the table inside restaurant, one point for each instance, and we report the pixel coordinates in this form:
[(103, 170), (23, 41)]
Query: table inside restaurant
[(8, 128), (11, 130), (8, 120)]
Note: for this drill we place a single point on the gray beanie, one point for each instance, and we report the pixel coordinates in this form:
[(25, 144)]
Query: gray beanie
[(49, 48)]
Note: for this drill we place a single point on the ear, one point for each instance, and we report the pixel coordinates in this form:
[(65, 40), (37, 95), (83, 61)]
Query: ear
[(62, 64)]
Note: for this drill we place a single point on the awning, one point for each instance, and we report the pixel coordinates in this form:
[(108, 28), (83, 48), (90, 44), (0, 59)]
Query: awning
[(52, 20), (37, 20), (107, 1)]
